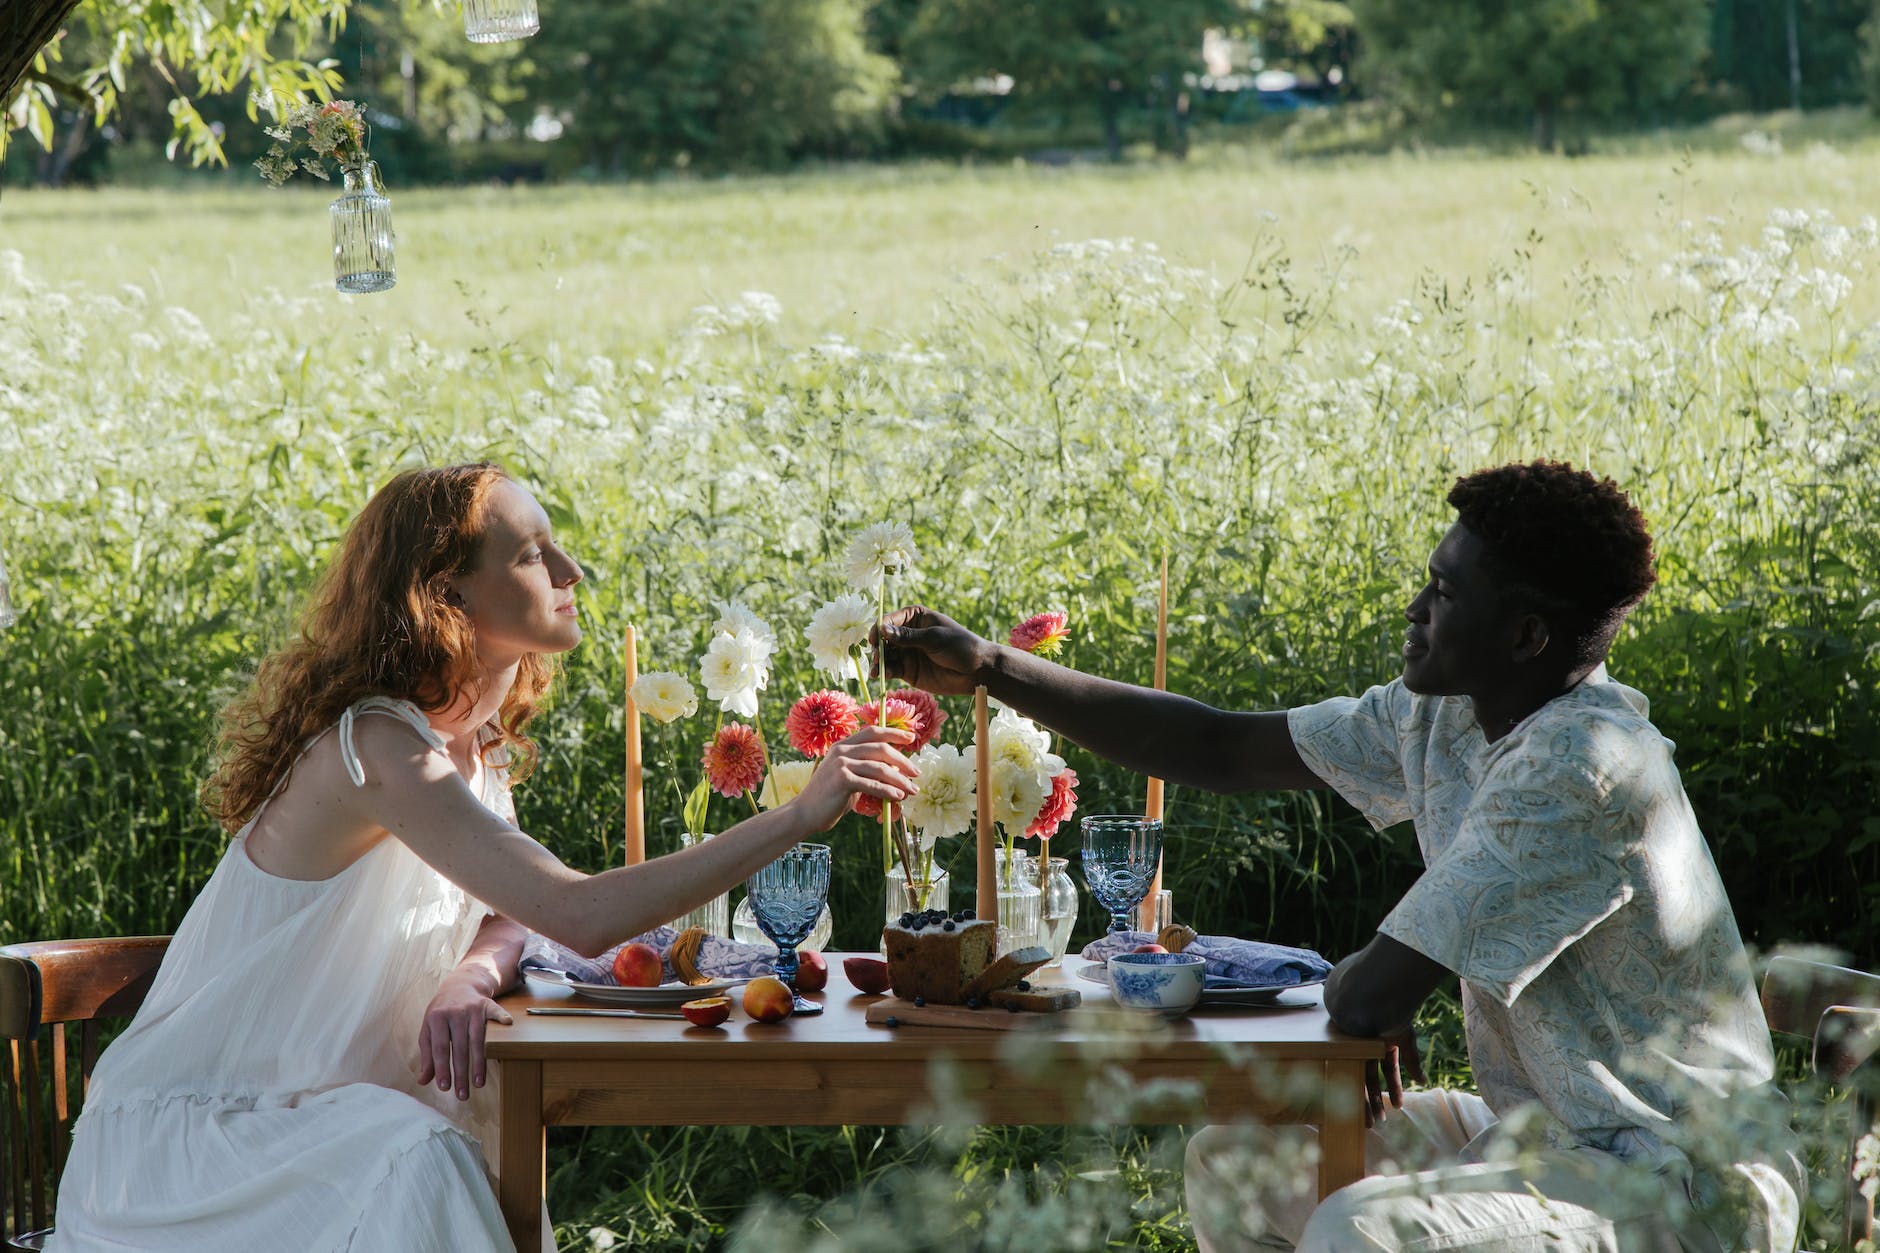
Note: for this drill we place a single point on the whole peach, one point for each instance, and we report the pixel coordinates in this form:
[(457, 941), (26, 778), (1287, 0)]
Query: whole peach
[(812, 972), (637, 966), (866, 974), (767, 999), (1148, 948)]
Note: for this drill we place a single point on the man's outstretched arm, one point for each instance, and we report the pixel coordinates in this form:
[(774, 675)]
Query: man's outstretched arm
[(1155, 733)]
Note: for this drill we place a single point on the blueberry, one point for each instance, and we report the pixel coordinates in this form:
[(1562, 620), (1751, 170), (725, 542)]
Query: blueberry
[(972, 1002), (919, 1002), (919, 924), (947, 925), (892, 1021), (1011, 1007), (1024, 986), (906, 920)]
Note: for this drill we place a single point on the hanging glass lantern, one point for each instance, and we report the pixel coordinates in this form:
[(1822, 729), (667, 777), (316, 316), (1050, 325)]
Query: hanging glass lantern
[(362, 233), (497, 21)]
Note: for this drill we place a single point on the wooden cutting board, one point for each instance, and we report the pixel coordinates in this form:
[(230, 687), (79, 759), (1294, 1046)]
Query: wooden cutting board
[(985, 1018)]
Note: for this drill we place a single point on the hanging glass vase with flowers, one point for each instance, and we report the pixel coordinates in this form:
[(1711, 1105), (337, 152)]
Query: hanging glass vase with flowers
[(305, 139)]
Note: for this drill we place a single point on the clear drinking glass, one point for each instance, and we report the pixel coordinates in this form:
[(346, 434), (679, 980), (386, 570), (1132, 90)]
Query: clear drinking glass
[(1121, 852), (496, 21), (362, 233), (786, 896)]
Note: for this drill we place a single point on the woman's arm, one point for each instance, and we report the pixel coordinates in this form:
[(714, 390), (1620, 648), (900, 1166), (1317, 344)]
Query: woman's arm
[(416, 794), (450, 1043)]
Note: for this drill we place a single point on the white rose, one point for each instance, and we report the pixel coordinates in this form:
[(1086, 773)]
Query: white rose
[(662, 696)]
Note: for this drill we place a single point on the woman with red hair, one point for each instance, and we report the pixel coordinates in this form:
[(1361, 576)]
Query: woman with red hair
[(377, 891)]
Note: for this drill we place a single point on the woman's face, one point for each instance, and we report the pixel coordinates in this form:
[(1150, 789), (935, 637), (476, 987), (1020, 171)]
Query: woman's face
[(520, 596)]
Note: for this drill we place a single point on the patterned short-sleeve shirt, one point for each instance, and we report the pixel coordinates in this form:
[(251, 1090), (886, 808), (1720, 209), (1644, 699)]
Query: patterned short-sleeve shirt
[(1568, 885)]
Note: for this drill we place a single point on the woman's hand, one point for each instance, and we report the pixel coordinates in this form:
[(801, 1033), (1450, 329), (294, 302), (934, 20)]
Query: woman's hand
[(867, 762), (450, 1043), (933, 652)]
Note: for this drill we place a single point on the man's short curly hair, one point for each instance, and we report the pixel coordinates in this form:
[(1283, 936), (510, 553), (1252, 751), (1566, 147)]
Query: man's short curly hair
[(1572, 545)]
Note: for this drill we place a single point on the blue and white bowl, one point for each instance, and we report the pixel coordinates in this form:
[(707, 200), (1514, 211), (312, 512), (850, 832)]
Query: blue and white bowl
[(1169, 983)]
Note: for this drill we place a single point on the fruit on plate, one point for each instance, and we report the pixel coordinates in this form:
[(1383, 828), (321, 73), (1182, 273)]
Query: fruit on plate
[(707, 1013), (812, 972), (638, 966), (1148, 948), (767, 999), (866, 974)]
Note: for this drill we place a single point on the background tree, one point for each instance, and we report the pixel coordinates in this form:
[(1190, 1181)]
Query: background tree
[(646, 84), (1778, 54), (1072, 54), (1546, 57)]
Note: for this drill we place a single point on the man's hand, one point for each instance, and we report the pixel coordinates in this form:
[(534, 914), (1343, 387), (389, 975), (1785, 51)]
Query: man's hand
[(931, 651), (450, 1044), (1383, 1080)]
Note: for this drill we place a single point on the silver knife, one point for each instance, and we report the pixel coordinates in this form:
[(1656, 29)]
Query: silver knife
[(606, 1013)]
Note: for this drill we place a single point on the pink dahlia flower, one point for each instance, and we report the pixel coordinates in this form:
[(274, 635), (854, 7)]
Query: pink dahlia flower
[(1057, 806), (817, 722), (1042, 633), (870, 806), (734, 760), (928, 716), (903, 714)]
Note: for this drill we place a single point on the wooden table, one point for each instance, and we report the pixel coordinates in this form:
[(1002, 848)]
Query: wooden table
[(834, 1070)]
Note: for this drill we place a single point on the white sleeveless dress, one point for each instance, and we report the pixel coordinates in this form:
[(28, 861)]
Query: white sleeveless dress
[(266, 1095)]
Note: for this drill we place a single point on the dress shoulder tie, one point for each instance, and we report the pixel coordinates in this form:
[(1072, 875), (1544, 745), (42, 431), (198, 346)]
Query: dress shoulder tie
[(403, 710)]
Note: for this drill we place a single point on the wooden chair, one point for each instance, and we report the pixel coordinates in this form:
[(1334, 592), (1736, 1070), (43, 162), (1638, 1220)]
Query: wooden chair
[(51, 984), (1840, 1010)]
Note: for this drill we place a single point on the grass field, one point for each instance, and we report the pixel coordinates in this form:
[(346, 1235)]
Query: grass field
[(1276, 380)]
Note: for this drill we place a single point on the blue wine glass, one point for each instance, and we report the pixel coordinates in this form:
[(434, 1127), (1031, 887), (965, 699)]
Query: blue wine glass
[(786, 897), (1121, 853)]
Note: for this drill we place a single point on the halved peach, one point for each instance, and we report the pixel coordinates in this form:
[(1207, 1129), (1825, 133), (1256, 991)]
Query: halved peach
[(708, 1012), (866, 974)]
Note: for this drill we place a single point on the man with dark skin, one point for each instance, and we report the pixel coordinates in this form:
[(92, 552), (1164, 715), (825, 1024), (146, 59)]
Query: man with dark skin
[(1561, 855)]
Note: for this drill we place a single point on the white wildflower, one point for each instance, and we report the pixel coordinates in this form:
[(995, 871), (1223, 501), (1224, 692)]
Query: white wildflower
[(1017, 795), (836, 628), (734, 615), (662, 696), (882, 548), (785, 782)]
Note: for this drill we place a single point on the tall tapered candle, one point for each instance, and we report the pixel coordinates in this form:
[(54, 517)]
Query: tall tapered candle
[(986, 892), (634, 848), (1153, 808)]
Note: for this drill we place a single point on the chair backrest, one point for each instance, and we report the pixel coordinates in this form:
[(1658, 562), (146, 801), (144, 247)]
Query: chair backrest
[(1839, 1010), (43, 987)]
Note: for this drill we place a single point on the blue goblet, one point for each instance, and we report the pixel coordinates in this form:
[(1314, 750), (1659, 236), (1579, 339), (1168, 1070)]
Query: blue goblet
[(786, 897), (1121, 853)]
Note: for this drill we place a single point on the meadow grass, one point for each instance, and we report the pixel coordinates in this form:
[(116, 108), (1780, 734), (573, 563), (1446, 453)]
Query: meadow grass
[(1052, 376)]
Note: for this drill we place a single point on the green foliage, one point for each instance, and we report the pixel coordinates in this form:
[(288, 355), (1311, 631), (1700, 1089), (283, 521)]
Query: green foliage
[(649, 84), (1069, 54), (1749, 56), (1546, 57)]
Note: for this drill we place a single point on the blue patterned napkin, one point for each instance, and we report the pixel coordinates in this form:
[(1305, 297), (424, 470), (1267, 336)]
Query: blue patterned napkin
[(1231, 963), (718, 957)]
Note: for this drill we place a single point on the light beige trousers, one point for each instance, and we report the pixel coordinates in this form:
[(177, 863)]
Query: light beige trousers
[(1256, 1187)]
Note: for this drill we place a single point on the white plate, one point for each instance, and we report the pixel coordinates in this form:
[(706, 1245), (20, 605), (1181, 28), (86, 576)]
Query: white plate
[(666, 994), (1252, 994)]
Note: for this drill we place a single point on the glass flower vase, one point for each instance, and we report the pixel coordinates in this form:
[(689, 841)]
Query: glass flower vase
[(744, 928), (1016, 882), (1057, 911), (362, 233), (497, 21), (714, 915), (7, 614), (933, 894)]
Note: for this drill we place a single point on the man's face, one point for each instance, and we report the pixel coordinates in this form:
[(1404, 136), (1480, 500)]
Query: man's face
[(1462, 634)]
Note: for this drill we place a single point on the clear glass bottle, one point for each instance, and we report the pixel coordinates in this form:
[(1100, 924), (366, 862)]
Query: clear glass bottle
[(1019, 898), (1057, 911), (362, 233), (497, 21), (714, 915), (744, 928)]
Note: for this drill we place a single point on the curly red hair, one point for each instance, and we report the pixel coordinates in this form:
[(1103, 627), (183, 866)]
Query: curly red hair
[(380, 623)]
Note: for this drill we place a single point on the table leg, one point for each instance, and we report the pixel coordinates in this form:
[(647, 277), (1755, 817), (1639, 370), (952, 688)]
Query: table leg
[(1341, 1133), (522, 1154)]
